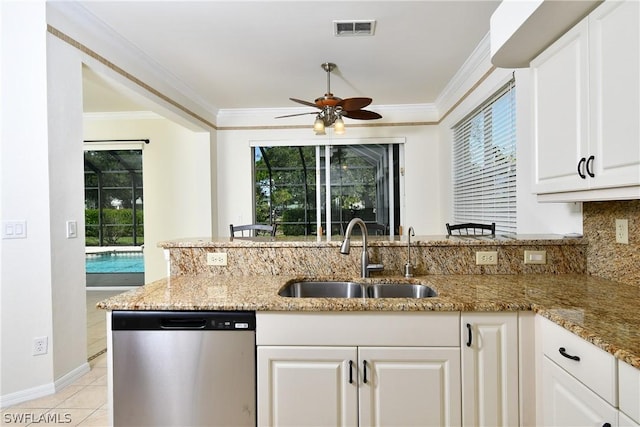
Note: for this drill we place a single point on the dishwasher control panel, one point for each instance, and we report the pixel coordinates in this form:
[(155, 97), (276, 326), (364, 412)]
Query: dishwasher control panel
[(183, 320)]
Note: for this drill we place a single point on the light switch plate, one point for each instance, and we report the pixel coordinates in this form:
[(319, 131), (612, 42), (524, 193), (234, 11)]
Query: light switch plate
[(535, 257), (72, 229), (14, 229)]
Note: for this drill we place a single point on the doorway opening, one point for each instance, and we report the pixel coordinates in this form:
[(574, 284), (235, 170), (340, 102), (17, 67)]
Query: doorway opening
[(114, 221)]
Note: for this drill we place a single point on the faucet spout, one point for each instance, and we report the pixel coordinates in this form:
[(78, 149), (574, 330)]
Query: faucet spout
[(408, 267), (365, 267)]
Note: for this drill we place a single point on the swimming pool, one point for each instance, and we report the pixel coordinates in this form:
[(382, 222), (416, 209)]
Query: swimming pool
[(114, 267), (115, 262)]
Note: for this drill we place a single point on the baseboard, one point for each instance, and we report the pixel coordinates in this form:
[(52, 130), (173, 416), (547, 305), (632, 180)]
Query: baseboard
[(71, 377), (26, 395), (37, 392)]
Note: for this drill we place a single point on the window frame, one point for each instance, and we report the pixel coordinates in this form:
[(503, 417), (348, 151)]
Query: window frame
[(396, 191)]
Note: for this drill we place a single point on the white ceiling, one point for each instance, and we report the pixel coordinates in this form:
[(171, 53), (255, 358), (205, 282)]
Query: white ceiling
[(257, 54)]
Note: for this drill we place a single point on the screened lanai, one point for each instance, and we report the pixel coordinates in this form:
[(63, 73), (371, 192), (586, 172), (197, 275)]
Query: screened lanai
[(113, 197), (291, 187)]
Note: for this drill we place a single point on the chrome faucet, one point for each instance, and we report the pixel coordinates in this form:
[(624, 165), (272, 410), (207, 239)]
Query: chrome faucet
[(365, 267), (408, 267)]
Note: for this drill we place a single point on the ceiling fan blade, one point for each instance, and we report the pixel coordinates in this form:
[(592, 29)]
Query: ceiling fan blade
[(300, 101), (352, 104), (361, 115), (293, 115)]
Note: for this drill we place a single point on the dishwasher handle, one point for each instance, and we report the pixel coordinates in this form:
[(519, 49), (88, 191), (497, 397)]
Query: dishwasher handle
[(182, 323)]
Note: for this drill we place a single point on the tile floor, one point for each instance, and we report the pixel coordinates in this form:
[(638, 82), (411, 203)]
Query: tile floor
[(83, 403)]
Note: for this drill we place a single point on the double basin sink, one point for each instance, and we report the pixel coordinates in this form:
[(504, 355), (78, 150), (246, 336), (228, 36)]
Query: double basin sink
[(348, 289)]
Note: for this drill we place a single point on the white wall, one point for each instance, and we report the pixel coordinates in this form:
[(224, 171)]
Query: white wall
[(25, 288), (176, 178), (42, 290)]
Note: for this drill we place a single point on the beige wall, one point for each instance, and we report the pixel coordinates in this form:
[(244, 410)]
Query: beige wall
[(605, 257)]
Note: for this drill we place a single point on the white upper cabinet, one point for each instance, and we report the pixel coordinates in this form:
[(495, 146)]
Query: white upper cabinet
[(560, 108), (586, 107)]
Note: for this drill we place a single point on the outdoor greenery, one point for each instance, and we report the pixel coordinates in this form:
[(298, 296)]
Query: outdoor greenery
[(285, 186), (117, 227), (113, 190)]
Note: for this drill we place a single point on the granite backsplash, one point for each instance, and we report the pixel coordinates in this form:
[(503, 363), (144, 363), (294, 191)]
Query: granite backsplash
[(605, 257)]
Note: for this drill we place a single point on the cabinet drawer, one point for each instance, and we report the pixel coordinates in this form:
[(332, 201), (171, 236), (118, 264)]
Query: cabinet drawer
[(432, 329), (629, 395), (595, 368)]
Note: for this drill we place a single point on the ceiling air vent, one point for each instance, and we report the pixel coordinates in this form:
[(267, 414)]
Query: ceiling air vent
[(362, 27)]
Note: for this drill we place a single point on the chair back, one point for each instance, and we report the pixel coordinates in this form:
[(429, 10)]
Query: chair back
[(253, 229), (472, 229)]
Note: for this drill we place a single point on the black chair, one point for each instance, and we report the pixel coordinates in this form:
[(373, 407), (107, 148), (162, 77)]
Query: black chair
[(253, 229), (472, 229)]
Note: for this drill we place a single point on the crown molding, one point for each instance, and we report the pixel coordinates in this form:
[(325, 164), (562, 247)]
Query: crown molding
[(235, 117), (111, 49), (123, 115), (472, 71)]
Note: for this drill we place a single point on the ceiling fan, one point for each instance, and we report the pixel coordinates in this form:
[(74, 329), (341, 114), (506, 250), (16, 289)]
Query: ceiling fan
[(333, 109)]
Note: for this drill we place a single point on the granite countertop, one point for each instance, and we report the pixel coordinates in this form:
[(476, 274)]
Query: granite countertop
[(374, 241), (602, 312)]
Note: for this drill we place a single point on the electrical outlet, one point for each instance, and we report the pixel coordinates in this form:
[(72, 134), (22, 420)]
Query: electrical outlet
[(535, 257), (217, 258), (622, 231), (40, 345), (487, 258)]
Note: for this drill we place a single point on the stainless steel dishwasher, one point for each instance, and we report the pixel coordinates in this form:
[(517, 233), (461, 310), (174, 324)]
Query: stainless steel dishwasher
[(189, 368)]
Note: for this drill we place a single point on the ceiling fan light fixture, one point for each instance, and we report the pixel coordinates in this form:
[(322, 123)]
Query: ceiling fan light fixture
[(338, 126), (318, 126)]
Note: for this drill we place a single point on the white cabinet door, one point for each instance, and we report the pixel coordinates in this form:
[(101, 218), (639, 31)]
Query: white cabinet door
[(560, 79), (625, 421), (307, 386), (409, 386), (567, 402), (614, 49), (490, 369)]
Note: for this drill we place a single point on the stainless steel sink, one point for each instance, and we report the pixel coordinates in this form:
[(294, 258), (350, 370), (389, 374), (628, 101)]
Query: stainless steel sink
[(322, 289), (346, 289), (392, 290)]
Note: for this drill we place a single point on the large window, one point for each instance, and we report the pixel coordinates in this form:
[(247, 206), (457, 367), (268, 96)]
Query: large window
[(484, 163), (304, 188), (113, 198)]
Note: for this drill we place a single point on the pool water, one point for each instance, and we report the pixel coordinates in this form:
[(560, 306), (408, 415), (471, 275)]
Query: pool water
[(115, 262)]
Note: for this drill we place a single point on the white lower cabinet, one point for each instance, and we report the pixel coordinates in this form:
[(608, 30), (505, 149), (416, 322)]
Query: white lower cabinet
[(490, 369), (579, 380), (351, 386), (567, 402), (358, 369), (307, 386), (626, 421), (410, 386)]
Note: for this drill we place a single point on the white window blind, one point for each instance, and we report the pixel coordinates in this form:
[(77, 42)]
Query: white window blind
[(484, 163)]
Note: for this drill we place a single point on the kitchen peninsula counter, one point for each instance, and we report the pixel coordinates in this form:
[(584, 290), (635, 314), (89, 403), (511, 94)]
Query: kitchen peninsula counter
[(600, 311)]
